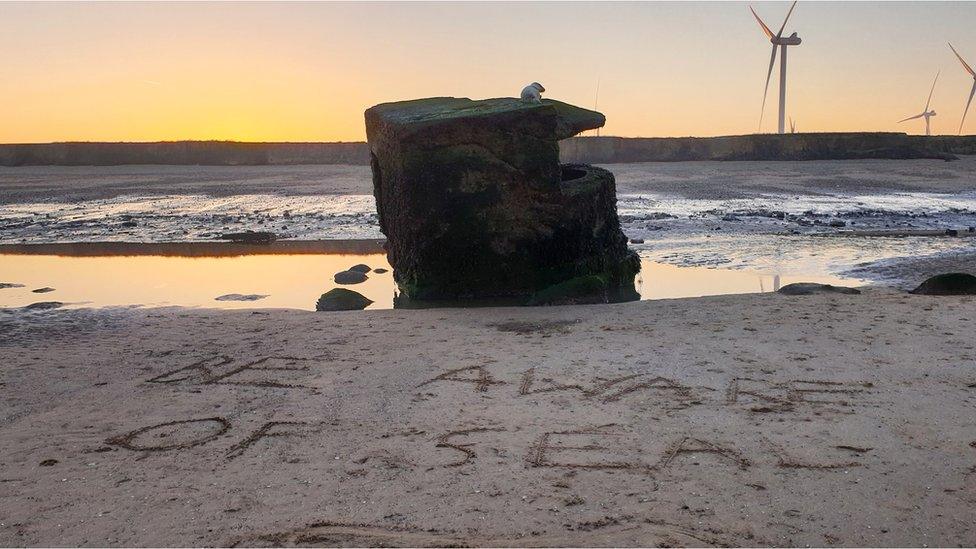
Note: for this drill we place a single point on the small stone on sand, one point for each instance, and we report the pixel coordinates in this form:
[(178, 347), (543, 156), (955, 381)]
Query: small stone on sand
[(948, 284), (341, 299), (349, 277), (810, 288), (240, 297), (43, 305), (4, 285), (43, 290)]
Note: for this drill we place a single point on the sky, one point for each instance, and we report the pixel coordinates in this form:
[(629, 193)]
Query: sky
[(307, 71)]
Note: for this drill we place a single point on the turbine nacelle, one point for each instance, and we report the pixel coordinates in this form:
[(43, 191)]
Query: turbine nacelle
[(791, 40)]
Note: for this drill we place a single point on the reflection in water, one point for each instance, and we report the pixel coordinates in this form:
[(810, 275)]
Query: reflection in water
[(289, 281), (292, 276)]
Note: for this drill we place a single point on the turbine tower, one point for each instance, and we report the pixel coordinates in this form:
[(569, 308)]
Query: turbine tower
[(778, 41), (969, 69), (926, 113)]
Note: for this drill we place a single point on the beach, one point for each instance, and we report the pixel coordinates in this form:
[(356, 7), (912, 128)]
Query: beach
[(725, 420), (838, 420)]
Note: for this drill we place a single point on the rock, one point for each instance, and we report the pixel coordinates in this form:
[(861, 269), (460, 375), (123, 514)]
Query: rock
[(948, 284), (5, 285), (810, 288), (584, 289), (474, 203), (48, 463), (636, 240), (341, 299), (349, 277), (380, 270), (239, 297), (43, 305), (250, 237), (361, 268), (42, 290), (838, 223)]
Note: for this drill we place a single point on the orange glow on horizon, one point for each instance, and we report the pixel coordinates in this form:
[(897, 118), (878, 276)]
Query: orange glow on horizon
[(307, 71)]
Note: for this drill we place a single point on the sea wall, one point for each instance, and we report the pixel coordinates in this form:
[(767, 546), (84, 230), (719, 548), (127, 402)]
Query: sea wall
[(589, 150), (808, 146), (221, 153)]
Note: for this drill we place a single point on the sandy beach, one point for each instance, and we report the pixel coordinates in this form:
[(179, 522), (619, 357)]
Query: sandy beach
[(732, 420), (415, 274)]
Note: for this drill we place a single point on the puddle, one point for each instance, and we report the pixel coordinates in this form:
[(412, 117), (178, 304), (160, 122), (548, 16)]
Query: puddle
[(290, 275)]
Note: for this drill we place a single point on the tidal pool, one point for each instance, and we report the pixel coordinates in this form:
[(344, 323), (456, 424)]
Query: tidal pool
[(290, 274)]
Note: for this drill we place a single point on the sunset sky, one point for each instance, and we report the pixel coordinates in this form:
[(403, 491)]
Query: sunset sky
[(306, 71)]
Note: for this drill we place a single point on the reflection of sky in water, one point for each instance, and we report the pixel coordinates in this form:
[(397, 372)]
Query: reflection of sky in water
[(895, 203), (290, 281), (734, 233), (790, 254)]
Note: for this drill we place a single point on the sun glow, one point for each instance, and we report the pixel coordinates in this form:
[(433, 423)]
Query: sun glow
[(306, 71)]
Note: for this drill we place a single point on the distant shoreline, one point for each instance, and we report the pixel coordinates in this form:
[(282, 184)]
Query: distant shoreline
[(593, 150)]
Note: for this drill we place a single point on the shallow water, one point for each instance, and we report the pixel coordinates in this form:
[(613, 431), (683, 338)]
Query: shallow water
[(768, 233), (291, 280), (767, 217)]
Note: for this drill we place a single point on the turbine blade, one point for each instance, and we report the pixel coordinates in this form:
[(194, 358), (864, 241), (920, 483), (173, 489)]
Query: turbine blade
[(769, 33), (970, 100), (912, 118), (930, 92), (772, 61), (961, 60), (780, 33)]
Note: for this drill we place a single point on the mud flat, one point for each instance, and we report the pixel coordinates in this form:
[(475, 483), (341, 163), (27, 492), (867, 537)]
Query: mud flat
[(735, 420)]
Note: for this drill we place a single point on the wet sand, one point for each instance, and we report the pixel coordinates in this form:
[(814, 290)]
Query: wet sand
[(696, 180), (733, 420)]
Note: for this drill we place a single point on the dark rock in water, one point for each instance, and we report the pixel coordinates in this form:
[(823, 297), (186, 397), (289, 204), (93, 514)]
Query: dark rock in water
[(475, 204), (838, 223), (42, 290), (361, 268), (584, 289), (341, 299), (810, 288), (250, 237), (380, 270), (5, 285), (239, 297), (948, 284), (43, 305), (349, 277), (636, 240), (951, 232)]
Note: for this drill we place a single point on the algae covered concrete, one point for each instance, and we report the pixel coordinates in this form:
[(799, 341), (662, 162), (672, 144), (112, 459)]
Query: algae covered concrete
[(475, 204)]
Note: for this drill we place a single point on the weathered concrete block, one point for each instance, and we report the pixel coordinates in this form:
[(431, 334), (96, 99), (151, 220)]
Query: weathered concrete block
[(475, 204)]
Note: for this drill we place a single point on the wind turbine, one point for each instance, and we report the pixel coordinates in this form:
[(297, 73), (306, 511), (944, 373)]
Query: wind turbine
[(777, 41), (925, 112), (971, 92)]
